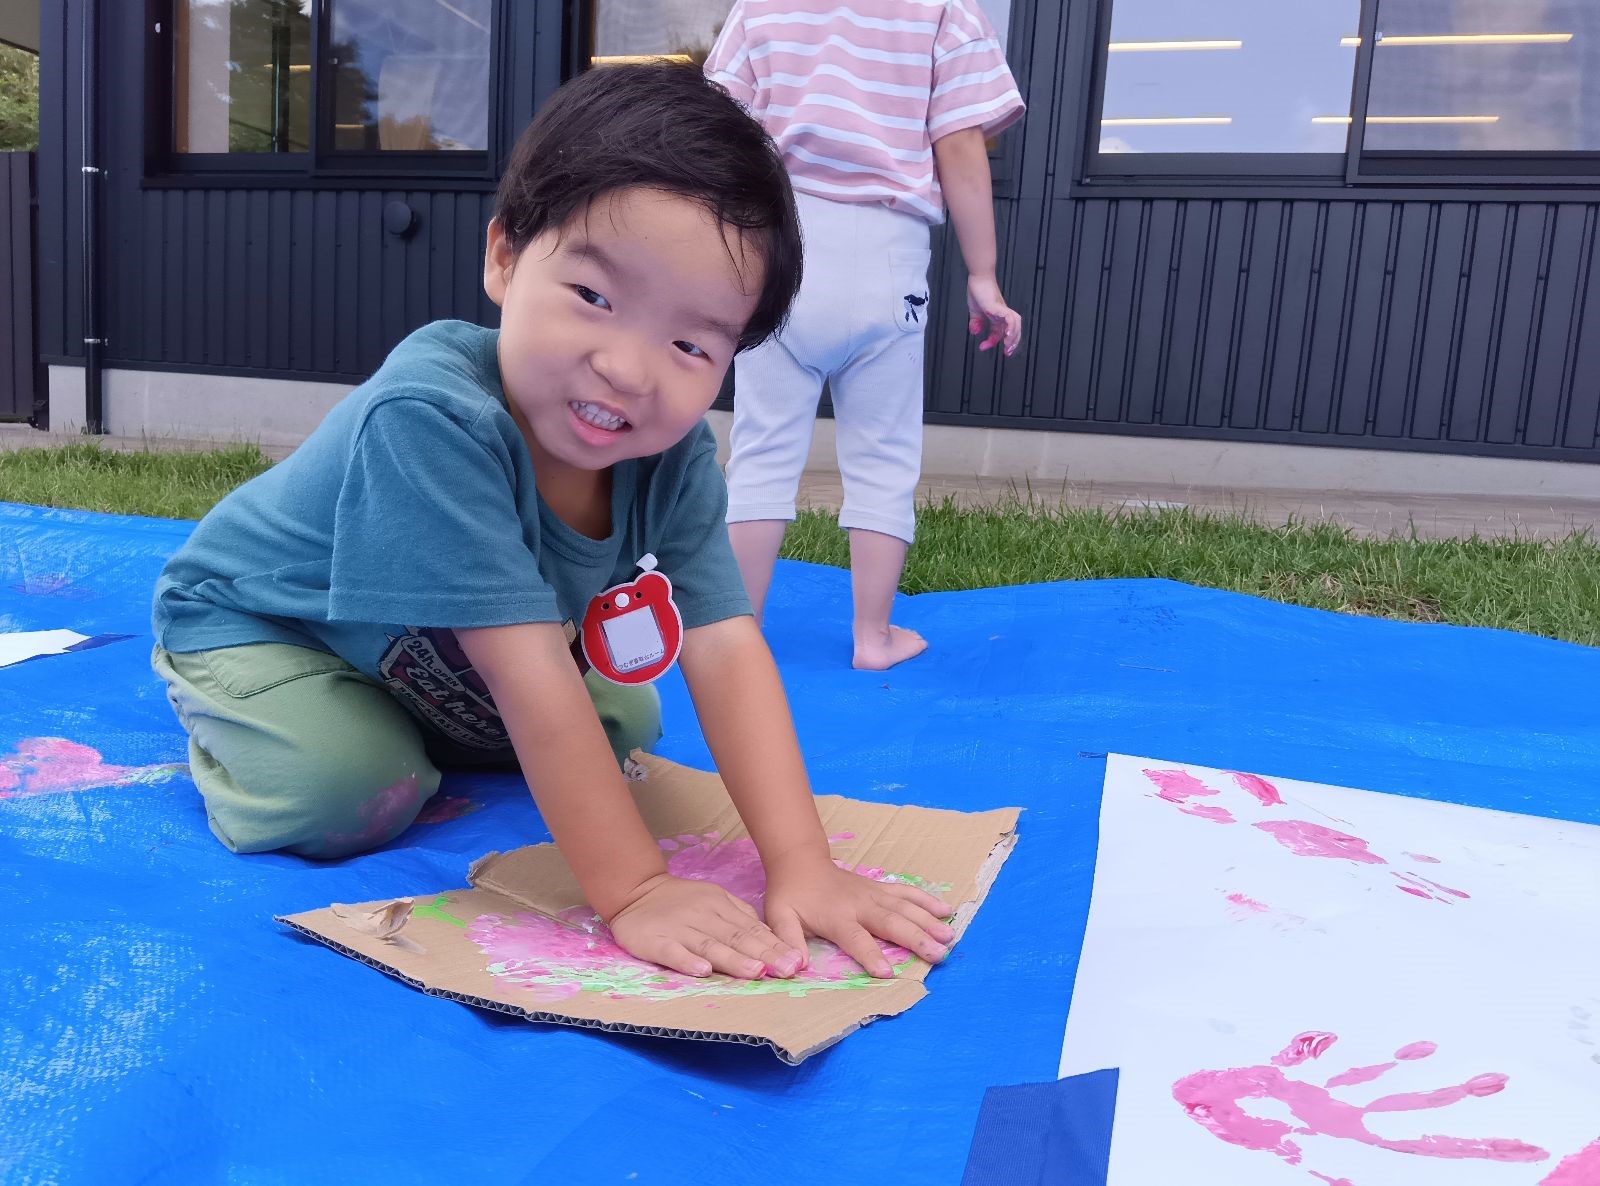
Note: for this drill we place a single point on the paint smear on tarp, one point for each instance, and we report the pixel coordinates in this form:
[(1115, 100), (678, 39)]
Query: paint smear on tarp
[(56, 766), (557, 960)]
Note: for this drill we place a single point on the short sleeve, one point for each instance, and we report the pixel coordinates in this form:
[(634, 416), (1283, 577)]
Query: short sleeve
[(691, 542), (972, 85), (426, 527), (729, 62)]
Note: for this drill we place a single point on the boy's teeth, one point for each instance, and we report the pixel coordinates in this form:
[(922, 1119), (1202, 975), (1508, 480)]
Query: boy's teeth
[(598, 416)]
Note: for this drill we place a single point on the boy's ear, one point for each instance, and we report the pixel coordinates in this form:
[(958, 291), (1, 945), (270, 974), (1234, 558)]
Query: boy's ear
[(498, 260)]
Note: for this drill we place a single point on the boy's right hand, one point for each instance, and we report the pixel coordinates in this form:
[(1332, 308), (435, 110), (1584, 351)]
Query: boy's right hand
[(698, 928)]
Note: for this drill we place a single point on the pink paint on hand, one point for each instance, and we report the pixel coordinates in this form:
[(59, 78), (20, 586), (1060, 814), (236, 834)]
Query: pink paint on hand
[(1312, 1044), (1265, 793), (55, 766), (1213, 1099), (1306, 839), (1581, 1169)]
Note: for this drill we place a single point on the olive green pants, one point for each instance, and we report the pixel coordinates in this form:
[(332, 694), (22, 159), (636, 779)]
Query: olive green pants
[(295, 749)]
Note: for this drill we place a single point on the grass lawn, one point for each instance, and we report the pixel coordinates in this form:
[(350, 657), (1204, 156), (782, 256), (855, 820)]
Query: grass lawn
[(1539, 587)]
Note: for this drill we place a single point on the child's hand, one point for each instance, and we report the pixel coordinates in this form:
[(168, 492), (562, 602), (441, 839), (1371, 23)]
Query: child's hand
[(698, 928), (987, 310), (819, 898)]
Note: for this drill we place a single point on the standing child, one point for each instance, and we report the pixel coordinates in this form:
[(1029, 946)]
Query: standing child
[(426, 579), (881, 110)]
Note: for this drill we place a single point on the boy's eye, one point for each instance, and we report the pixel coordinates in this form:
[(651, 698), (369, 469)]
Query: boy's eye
[(591, 297), (691, 349)]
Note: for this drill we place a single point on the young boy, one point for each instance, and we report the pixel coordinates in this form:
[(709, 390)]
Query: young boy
[(393, 597), (880, 109)]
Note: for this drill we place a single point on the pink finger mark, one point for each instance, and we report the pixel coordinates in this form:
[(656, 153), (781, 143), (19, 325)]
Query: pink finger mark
[(1418, 1101), (1176, 786), (1218, 815), (1332, 1181), (1249, 904), (1306, 839), (1265, 793), (1415, 1051), (1360, 1075), (1426, 860), (1311, 1044)]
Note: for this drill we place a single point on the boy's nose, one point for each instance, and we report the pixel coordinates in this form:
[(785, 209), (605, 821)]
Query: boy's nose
[(625, 367)]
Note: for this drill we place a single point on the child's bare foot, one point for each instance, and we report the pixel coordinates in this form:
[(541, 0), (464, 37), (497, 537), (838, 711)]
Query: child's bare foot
[(879, 650)]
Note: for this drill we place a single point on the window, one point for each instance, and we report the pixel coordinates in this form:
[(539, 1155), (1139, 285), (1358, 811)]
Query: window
[(1348, 89), (1261, 80), (331, 85), (631, 30), (1485, 76)]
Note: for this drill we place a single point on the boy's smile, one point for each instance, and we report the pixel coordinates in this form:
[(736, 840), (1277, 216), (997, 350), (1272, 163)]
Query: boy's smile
[(616, 331)]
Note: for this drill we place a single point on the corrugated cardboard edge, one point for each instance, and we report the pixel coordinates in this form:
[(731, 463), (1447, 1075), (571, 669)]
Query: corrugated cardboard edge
[(793, 1057)]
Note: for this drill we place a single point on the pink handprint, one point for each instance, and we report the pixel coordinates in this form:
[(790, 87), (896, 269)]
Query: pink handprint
[(1301, 837), (1214, 1098)]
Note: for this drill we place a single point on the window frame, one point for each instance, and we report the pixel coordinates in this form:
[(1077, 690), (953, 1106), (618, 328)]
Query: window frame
[(1355, 166), (322, 166)]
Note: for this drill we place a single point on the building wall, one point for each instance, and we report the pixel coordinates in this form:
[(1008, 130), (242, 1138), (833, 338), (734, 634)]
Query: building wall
[(1443, 320)]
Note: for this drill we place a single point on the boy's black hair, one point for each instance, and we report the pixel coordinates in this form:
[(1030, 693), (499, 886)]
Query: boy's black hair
[(659, 125)]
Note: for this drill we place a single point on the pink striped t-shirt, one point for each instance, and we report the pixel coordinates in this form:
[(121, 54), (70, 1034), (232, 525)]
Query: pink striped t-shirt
[(855, 92)]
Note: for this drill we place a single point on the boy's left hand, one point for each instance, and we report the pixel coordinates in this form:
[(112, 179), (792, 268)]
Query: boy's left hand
[(819, 898)]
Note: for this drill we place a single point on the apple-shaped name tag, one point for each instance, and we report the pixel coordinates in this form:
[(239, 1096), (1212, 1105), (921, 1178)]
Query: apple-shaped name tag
[(633, 632)]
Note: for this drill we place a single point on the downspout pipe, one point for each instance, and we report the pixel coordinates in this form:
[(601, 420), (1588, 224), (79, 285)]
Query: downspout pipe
[(93, 342)]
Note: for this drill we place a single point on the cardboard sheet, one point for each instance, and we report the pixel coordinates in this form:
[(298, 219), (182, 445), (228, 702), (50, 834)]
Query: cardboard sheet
[(521, 939), (1309, 983)]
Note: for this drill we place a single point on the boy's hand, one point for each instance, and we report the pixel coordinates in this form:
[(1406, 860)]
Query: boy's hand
[(987, 310), (819, 898), (698, 928)]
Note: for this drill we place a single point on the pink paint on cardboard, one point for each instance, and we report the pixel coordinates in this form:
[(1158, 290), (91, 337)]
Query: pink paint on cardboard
[(56, 766)]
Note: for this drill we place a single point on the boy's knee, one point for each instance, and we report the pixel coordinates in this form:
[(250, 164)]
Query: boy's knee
[(326, 805), (631, 715)]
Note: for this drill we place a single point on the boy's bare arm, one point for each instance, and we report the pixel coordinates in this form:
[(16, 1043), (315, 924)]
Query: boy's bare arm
[(745, 717), (962, 161), (691, 926), (574, 778)]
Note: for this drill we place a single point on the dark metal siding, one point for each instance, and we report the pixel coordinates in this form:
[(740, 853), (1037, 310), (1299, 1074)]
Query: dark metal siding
[(19, 358), (1423, 320)]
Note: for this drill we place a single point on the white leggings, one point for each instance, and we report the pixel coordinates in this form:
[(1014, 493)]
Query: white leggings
[(857, 325)]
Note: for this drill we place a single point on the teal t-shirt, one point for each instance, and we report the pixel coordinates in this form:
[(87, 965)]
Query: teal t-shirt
[(410, 512)]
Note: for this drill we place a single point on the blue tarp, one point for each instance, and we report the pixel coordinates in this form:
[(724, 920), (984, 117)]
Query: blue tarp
[(156, 1025)]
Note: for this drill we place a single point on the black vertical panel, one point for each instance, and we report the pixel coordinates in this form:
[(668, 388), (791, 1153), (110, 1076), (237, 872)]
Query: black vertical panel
[(1086, 306), (1480, 318), (301, 293), (52, 167), (1329, 317), (1026, 248), (192, 308), (322, 294), (1368, 296), (285, 272), (1402, 335), (214, 268), (1521, 312), (1121, 286), (468, 272), (17, 347), (1253, 341), (1290, 337), (151, 310), (1553, 363), (1150, 332), (1041, 56), (394, 264), (1228, 259), (178, 283), (1186, 312), (1045, 341), (1443, 296), (373, 300), (1581, 425), (255, 280), (347, 273), (419, 262)]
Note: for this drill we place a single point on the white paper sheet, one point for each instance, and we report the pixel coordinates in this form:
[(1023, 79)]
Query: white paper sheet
[(30, 644), (1449, 955)]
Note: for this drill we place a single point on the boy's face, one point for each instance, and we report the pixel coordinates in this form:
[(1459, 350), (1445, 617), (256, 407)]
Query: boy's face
[(616, 330)]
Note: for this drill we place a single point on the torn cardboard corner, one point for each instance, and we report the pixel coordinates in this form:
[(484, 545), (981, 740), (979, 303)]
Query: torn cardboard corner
[(521, 940)]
